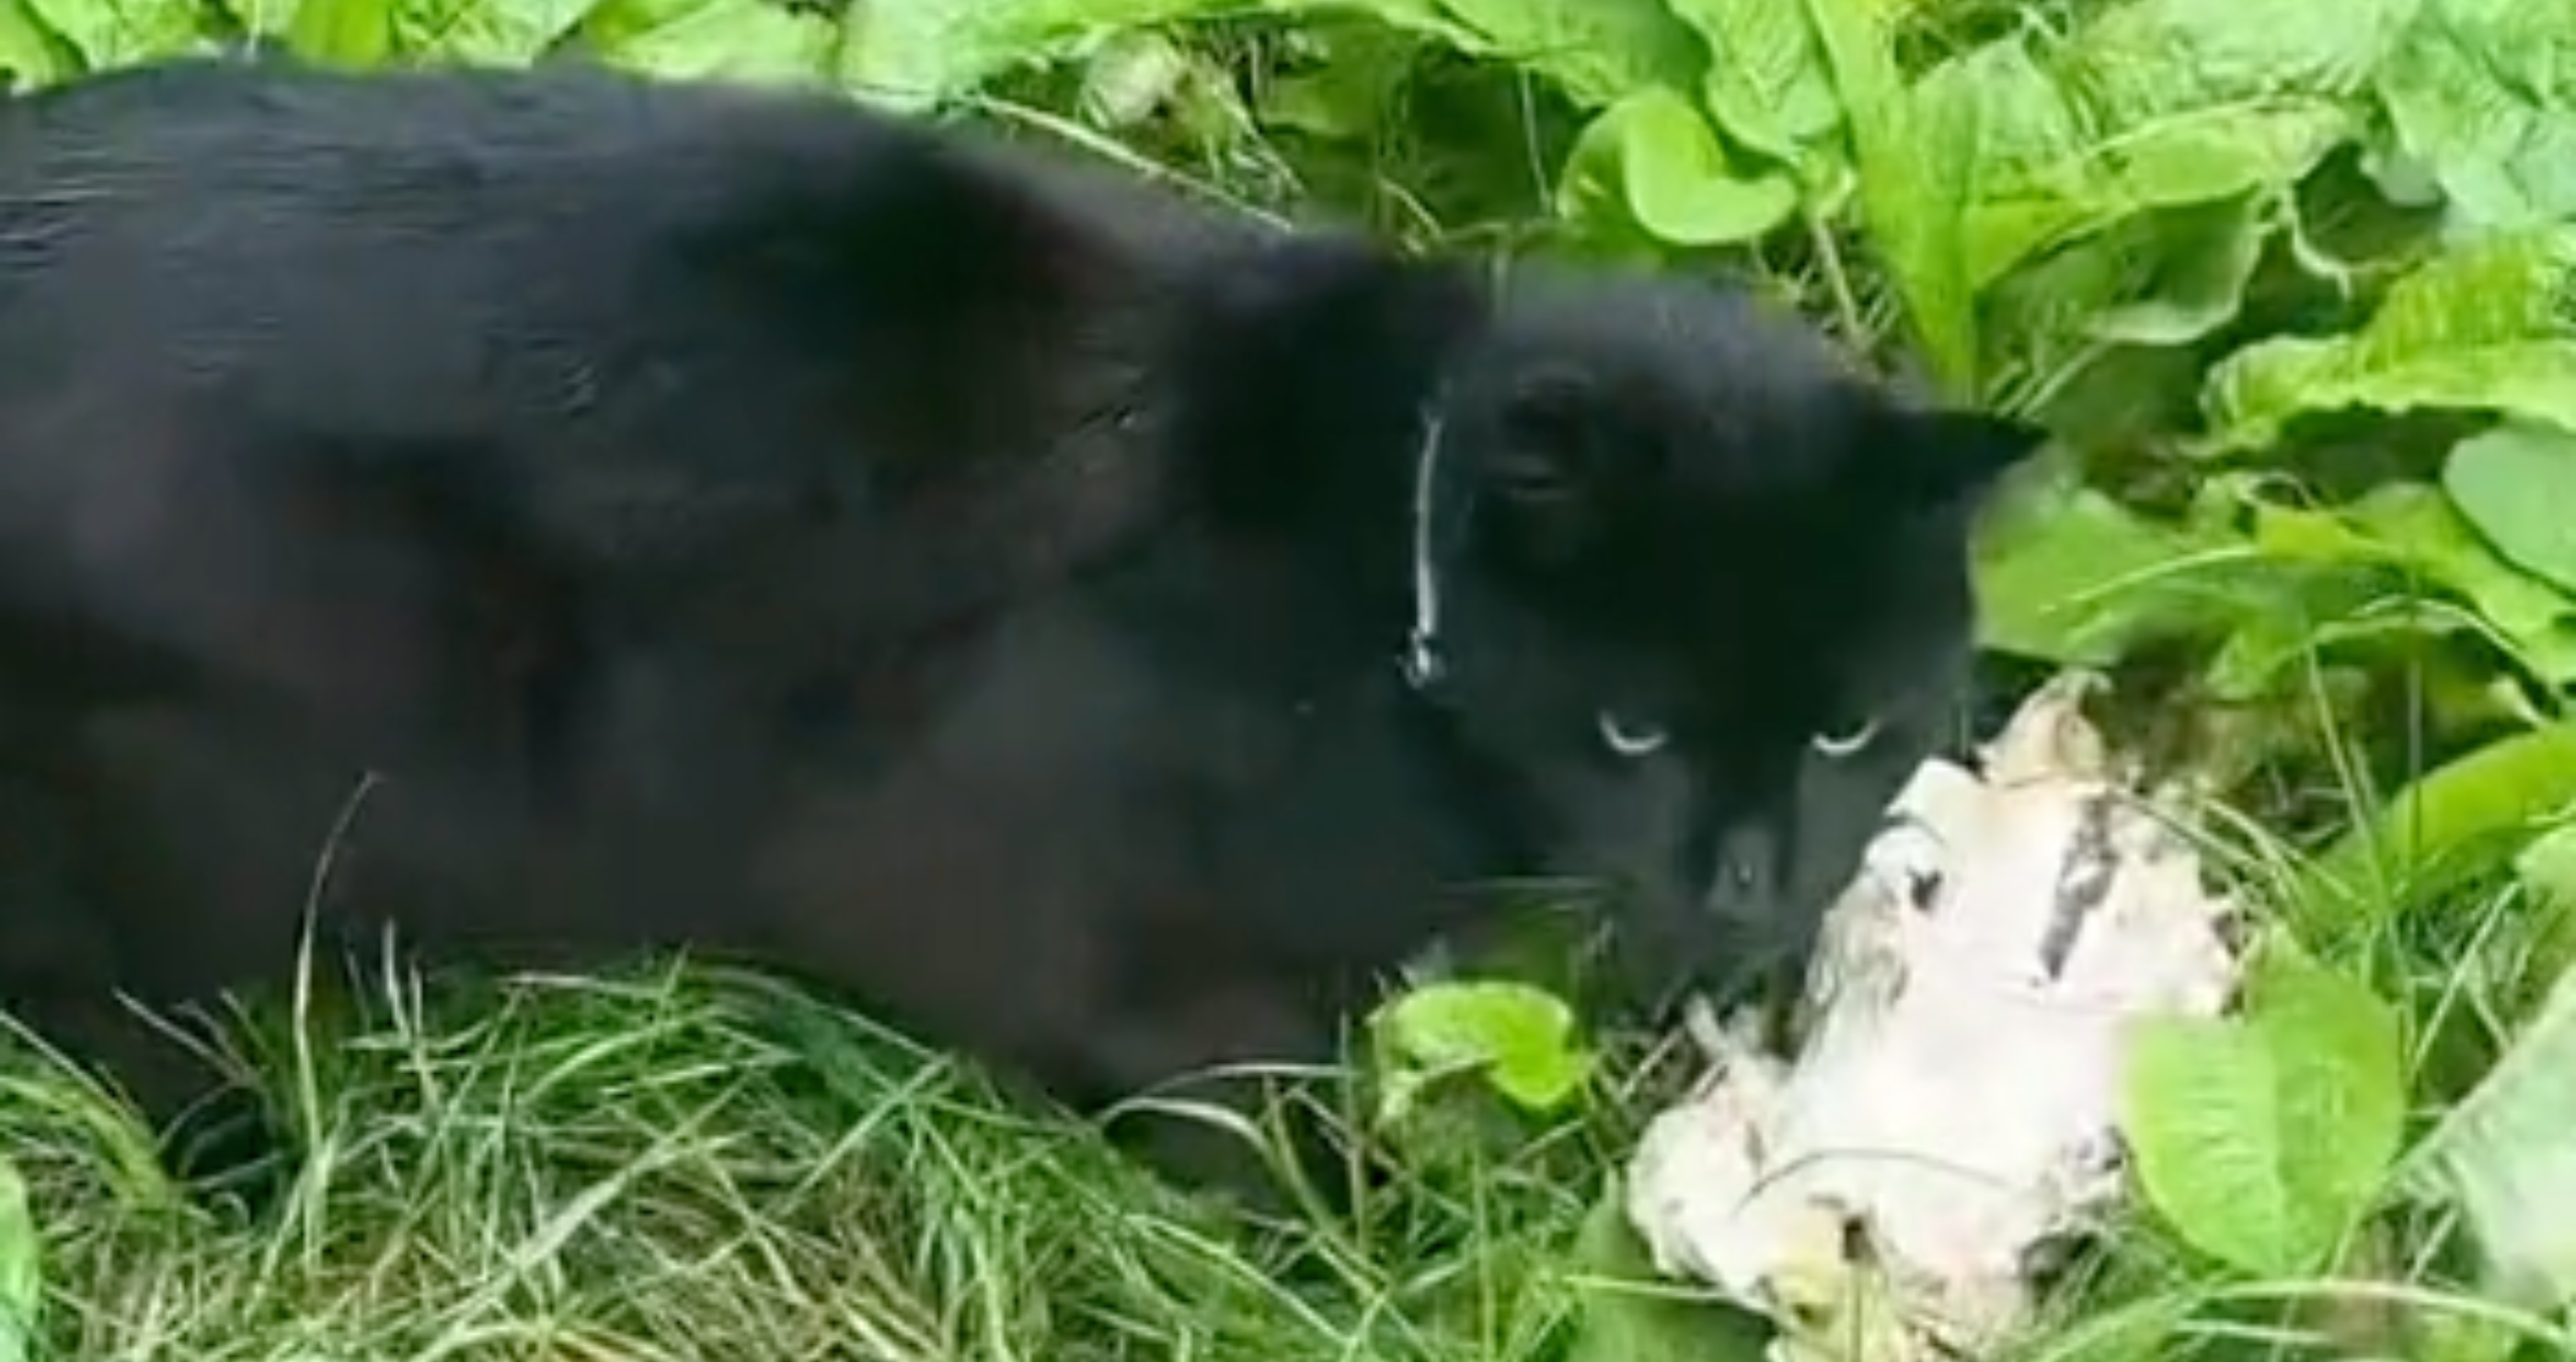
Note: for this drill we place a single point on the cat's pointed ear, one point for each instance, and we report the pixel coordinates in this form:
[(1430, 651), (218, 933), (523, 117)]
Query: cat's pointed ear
[(1941, 455)]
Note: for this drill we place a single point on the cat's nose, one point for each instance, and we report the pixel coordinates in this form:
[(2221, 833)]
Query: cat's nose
[(1752, 906), (1742, 882)]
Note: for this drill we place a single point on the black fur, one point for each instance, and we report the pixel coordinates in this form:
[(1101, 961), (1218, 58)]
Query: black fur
[(731, 519)]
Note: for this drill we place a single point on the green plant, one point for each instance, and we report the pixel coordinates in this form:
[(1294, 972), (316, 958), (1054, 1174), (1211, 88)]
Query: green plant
[(2292, 282), (2264, 1138)]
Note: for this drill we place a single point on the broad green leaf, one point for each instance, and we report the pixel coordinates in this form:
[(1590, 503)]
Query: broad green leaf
[(356, 33), (749, 40), (2468, 815), (2341, 1061), (2032, 139), (2482, 93), (110, 33), (2504, 1155), (1349, 92), (918, 53), (2159, 103), (32, 55), (1629, 1314), (499, 32), (2182, 59), (2548, 866), (1920, 155), (2517, 484), (2261, 1139), (2066, 573), (2266, 652), (2165, 277), (1597, 51), (1654, 156), (2416, 530), (2191, 279), (1767, 84), (2203, 1127), (2485, 327), (21, 1269), (1521, 1037), (2111, 398)]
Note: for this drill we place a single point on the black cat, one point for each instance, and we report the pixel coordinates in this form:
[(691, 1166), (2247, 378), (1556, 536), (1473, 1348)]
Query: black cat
[(1091, 630)]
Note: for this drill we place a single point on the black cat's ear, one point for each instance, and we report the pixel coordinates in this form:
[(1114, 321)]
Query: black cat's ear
[(1940, 455)]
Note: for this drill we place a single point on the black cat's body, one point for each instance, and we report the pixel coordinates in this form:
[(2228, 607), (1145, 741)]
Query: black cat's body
[(733, 520)]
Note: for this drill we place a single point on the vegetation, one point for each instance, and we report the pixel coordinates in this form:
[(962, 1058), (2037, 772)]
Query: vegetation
[(2294, 281)]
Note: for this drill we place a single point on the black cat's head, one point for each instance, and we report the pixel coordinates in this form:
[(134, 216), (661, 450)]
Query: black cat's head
[(1695, 596), (1688, 598)]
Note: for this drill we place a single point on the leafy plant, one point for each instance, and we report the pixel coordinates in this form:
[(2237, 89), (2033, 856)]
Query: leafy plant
[(2262, 1139), (1627, 1316), (2482, 93), (1521, 1039), (2290, 280), (21, 1273), (2473, 812), (2505, 1157), (1655, 158)]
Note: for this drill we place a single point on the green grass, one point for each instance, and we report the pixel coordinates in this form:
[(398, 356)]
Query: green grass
[(677, 1164), (645, 1169), (633, 1169)]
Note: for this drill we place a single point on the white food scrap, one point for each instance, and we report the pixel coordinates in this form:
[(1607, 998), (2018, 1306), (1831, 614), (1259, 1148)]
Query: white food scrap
[(1952, 1109)]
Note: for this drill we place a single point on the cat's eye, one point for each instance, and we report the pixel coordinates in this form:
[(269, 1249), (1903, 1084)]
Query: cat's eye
[(1836, 746), (1628, 737)]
